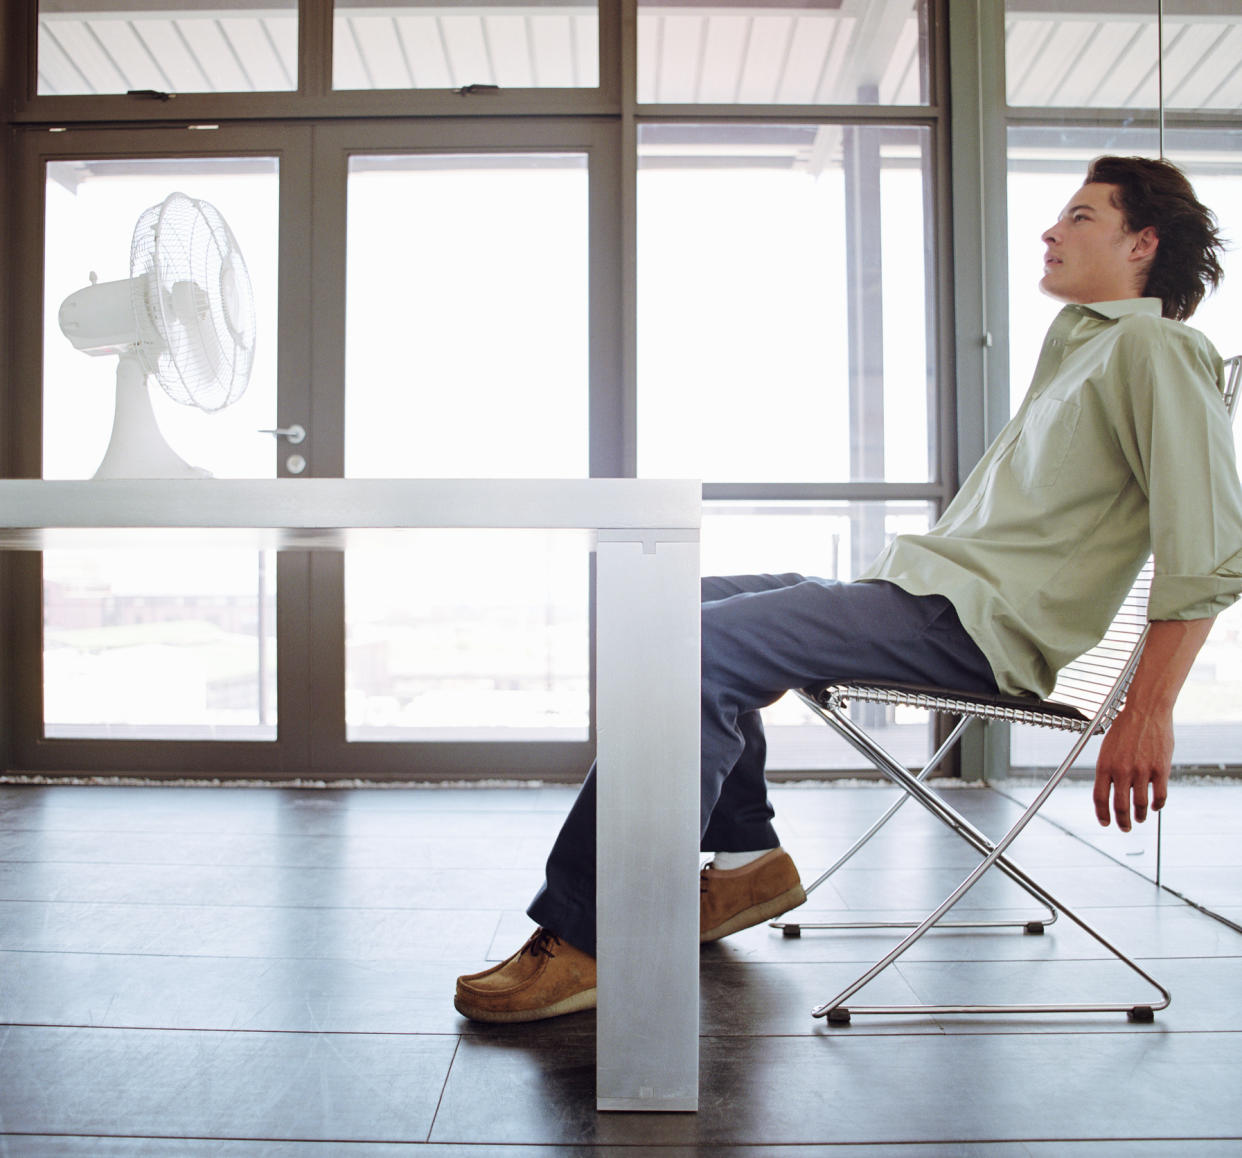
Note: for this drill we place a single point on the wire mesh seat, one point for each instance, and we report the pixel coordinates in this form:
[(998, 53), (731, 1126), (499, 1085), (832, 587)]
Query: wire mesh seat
[(1088, 696)]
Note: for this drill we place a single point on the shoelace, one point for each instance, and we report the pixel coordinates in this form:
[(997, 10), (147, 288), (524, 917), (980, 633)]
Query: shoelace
[(541, 944)]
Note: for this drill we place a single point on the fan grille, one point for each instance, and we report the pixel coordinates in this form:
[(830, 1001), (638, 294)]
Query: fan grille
[(194, 302)]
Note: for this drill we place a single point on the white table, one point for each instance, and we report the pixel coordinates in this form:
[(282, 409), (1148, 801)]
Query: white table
[(647, 673)]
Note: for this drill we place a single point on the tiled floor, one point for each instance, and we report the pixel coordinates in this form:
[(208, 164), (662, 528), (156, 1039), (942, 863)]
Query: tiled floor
[(193, 971)]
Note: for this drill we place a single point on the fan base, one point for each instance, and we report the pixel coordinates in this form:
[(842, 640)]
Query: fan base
[(138, 448)]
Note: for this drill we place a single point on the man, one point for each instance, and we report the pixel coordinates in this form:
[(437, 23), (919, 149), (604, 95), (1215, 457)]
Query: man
[(1121, 448)]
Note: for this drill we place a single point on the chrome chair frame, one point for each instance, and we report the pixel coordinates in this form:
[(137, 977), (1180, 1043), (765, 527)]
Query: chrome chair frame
[(1089, 694)]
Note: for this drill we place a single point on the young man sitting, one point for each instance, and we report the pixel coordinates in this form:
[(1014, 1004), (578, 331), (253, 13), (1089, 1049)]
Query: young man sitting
[(1121, 449)]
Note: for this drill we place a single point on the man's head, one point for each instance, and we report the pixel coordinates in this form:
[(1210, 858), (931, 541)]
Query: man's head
[(1134, 229)]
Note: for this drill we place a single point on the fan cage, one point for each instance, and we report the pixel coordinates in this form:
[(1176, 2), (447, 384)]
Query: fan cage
[(194, 303)]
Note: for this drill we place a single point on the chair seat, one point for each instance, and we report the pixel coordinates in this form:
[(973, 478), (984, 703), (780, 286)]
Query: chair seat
[(1015, 709)]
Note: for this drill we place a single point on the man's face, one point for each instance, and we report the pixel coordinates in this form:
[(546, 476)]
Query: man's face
[(1090, 257)]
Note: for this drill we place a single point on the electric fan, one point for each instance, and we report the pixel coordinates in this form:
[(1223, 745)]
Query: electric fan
[(185, 316)]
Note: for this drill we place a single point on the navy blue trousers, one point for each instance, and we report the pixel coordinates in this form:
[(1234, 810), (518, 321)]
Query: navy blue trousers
[(762, 636)]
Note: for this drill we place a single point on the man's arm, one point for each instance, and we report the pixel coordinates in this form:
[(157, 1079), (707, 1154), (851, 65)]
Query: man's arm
[(1137, 751)]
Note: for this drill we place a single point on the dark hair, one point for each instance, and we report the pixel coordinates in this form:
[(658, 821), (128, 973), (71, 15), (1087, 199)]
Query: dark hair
[(1157, 194)]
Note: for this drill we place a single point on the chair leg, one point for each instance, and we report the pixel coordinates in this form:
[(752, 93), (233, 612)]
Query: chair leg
[(835, 1009), (954, 820)]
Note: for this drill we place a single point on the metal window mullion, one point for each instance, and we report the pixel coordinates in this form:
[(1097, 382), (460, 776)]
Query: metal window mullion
[(980, 272)]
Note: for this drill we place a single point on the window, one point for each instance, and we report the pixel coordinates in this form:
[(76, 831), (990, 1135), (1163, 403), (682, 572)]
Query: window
[(466, 357), (478, 292), (466, 341), (1072, 70), (183, 46), (382, 44), (823, 52), (783, 306), (785, 340), (178, 644), (1108, 55)]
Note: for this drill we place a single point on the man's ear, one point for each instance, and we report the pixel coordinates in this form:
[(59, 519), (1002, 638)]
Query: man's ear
[(1144, 244)]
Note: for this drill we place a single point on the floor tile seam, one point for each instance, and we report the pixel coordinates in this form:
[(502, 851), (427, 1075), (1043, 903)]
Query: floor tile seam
[(466, 959), (1045, 868), (427, 821), (213, 1138), (928, 1029), (448, 1073), (455, 908), (1162, 903), (397, 962), (1206, 909), (473, 867), (1051, 820), (90, 815), (936, 1029), (1042, 961), (578, 1148), (221, 1031)]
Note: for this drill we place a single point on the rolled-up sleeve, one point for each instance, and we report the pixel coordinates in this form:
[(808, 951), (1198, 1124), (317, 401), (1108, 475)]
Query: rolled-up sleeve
[(1180, 445)]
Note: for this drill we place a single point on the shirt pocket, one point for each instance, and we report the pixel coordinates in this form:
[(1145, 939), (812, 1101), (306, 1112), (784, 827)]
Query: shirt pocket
[(1044, 441)]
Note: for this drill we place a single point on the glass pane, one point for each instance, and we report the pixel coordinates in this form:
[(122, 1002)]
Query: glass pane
[(393, 44), (754, 52), (1045, 167), (92, 212), (830, 541), (477, 368), (783, 301), (142, 645), (198, 621), (1092, 53), (466, 635), (1202, 47), (177, 46), (1095, 54), (466, 325)]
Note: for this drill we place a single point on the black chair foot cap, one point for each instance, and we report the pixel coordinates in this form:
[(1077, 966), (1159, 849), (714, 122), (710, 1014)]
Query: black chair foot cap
[(1142, 1013), (838, 1016), (791, 930), (1034, 928)]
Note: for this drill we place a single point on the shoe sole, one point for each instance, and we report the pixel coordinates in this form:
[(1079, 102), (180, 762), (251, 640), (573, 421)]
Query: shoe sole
[(764, 911), (575, 1003)]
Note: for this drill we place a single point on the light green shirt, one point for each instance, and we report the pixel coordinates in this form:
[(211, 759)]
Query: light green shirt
[(1122, 448)]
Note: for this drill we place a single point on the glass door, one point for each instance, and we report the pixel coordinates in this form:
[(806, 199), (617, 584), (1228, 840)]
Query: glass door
[(163, 352), (448, 310), (466, 345)]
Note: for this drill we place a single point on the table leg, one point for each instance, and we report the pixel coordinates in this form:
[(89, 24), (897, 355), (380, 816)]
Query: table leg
[(648, 822)]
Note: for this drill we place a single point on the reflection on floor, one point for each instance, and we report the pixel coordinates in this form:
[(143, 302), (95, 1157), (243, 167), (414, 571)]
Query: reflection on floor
[(195, 971)]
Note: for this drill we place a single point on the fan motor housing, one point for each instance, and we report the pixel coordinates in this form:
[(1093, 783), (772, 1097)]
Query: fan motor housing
[(99, 319)]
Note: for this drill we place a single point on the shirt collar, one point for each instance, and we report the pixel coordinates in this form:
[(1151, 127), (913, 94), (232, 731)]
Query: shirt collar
[(1152, 307)]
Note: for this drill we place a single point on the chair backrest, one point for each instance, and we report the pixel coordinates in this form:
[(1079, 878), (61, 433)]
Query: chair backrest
[(1088, 680), (1232, 377)]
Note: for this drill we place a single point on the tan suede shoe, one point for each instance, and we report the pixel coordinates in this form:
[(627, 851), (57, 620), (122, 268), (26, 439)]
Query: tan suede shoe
[(544, 978), (734, 899)]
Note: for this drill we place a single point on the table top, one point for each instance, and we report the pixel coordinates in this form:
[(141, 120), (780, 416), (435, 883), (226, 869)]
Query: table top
[(326, 512)]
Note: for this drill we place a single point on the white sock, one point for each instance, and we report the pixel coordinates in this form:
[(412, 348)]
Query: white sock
[(732, 860)]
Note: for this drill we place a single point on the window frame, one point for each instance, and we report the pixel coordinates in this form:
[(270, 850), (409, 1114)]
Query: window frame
[(335, 122)]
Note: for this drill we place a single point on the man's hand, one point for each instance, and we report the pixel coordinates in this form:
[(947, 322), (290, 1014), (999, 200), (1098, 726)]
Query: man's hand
[(1135, 759), (1137, 752)]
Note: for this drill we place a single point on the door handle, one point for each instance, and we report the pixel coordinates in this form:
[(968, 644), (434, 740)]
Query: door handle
[(291, 434)]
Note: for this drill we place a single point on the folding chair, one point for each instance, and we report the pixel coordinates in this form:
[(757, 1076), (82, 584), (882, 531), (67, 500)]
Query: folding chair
[(1089, 694)]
